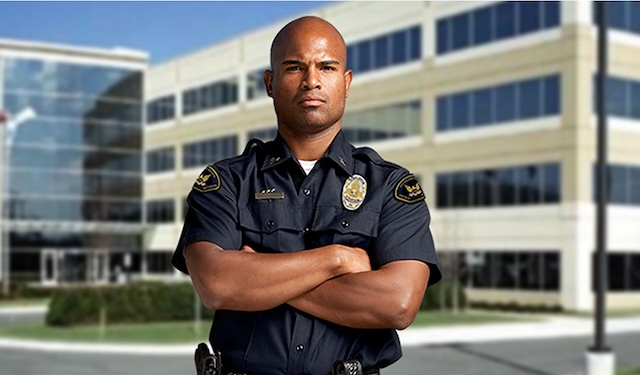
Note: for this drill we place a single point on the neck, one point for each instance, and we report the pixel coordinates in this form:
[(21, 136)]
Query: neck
[(309, 146)]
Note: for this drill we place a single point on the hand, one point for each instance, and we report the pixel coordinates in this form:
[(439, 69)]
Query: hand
[(352, 259)]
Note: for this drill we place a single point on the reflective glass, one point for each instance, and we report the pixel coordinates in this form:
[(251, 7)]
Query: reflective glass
[(634, 271), (529, 99), (634, 16), (443, 35), (505, 20), (616, 97), (483, 25), (460, 189), (483, 106), (75, 210), (634, 185), (617, 271), (399, 47), (551, 271), (442, 181), (364, 56), (529, 180), (529, 13), (634, 100), (352, 63), (552, 95), (381, 52), (507, 188), (415, 43), (57, 158), (443, 120), (461, 35), (551, 183), (506, 270), (529, 264), (551, 11), (505, 103), (617, 184), (617, 14), (460, 111)]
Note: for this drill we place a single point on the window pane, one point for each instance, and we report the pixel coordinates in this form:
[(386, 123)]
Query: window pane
[(529, 182), (381, 52), (443, 36), (616, 97), (399, 45), (551, 11), (351, 58), (634, 16), (460, 111), (530, 267), (415, 43), (552, 95), (617, 184), (529, 99), (551, 271), (460, 25), (443, 190), (507, 186), (616, 14), (634, 271), (505, 103), (529, 16), (635, 100), (489, 183), (483, 25), (551, 180), (617, 272), (479, 189), (364, 56), (505, 20), (460, 189), (481, 270), (506, 270), (443, 120), (483, 106), (634, 185)]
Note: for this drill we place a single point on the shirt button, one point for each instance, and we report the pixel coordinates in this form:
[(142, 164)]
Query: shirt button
[(306, 191), (307, 229), (345, 223), (270, 223), (300, 348)]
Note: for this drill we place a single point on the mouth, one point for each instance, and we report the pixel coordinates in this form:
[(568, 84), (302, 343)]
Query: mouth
[(311, 101)]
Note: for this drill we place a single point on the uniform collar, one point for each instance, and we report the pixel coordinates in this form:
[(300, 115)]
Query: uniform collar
[(339, 152)]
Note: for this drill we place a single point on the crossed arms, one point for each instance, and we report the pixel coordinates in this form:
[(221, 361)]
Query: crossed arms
[(334, 283)]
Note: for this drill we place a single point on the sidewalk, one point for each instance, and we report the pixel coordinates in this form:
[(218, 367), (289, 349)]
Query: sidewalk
[(546, 327)]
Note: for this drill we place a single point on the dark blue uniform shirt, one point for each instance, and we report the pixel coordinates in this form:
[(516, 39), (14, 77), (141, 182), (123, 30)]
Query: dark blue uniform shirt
[(264, 199)]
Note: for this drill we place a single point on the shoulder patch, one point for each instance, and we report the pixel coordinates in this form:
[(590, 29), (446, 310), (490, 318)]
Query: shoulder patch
[(408, 190), (209, 180)]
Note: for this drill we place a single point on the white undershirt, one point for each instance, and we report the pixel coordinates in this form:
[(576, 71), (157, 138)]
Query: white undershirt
[(307, 165)]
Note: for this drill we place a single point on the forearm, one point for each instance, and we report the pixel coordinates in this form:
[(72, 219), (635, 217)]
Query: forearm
[(385, 298), (249, 281)]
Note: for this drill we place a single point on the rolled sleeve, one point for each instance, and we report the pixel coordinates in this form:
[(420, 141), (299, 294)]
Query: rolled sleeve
[(211, 216), (403, 232)]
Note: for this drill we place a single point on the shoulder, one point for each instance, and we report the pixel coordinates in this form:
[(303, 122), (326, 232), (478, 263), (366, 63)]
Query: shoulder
[(403, 184)]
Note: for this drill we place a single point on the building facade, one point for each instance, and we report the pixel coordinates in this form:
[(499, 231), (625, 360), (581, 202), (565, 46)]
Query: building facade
[(73, 192), (490, 104)]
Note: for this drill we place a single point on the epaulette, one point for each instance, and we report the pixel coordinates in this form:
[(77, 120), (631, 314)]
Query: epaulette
[(372, 155), (253, 142)]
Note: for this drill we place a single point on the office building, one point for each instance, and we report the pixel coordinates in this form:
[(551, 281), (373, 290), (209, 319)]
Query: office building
[(490, 104), (74, 185)]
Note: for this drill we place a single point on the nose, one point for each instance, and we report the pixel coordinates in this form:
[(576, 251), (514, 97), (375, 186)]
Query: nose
[(311, 80)]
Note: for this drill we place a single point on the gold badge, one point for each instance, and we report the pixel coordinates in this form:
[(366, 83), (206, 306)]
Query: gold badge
[(209, 180), (353, 192)]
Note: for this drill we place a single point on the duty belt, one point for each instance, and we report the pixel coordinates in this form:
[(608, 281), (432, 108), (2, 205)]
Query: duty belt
[(208, 363)]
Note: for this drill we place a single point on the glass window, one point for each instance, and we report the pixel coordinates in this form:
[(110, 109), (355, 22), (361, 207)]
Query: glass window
[(461, 35), (460, 111), (505, 20), (483, 25), (529, 99), (255, 83), (551, 271), (160, 211), (618, 178), (530, 267), (529, 13), (635, 100), (529, 181), (617, 14), (505, 103), (442, 181), (617, 272), (634, 16), (506, 270), (617, 97), (415, 37), (364, 56), (399, 47), (551, 12), (443, 36), (489, 188), (443, 121), (634, 271), (480, 194), (481, 270), (460, 189), (551, 181), (634, 185), (381, 52), (483, 106), (160, 160), (351, 58), (552, 95), (507, 188)]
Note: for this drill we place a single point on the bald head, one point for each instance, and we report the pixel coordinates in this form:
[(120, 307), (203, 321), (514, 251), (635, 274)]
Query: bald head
[(304, 29)]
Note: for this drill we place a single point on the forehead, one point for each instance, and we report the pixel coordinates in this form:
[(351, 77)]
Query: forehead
[(310, 42)]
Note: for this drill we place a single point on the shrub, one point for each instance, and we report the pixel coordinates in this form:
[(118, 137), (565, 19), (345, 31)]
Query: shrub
[(138, 302), (433, 298)]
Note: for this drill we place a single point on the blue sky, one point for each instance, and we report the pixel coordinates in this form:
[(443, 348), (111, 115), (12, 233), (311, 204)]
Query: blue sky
[(164, 29)]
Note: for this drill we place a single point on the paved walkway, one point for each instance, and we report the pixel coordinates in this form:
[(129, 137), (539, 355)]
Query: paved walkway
[(550, 326)]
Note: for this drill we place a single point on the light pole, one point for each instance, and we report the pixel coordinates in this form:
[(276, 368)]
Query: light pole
[(10, 125)]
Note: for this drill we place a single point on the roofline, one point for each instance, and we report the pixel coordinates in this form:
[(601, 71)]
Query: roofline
[(114, 52)]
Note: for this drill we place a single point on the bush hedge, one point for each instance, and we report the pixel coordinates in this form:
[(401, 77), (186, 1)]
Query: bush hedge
[(136, 302), (433, 298)]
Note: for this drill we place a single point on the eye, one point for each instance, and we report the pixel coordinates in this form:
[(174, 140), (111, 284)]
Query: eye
[(328, 67), (293, 68)]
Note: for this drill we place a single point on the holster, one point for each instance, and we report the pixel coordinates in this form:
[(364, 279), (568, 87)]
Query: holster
[(207, 363)]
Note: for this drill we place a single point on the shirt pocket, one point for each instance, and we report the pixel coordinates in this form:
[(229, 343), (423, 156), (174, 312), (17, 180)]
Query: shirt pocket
[(350, 228), (270, 226)]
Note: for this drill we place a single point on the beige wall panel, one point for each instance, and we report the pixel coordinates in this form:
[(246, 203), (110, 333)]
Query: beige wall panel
[(161, 80), (162, 237), (623, 301), (160, 186), (211, 64)]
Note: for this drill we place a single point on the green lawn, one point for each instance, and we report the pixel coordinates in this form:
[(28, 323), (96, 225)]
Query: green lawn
[(184, 332), (635, 371), (24, 302)]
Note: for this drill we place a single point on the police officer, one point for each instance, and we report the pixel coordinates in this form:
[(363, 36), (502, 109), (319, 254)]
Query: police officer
[(311, 251)]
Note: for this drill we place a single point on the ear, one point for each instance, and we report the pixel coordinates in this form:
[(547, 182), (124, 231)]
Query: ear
[(268, 82), (348, 76)]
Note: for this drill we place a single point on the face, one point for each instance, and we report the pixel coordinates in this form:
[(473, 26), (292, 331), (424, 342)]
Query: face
[(309, 82)]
